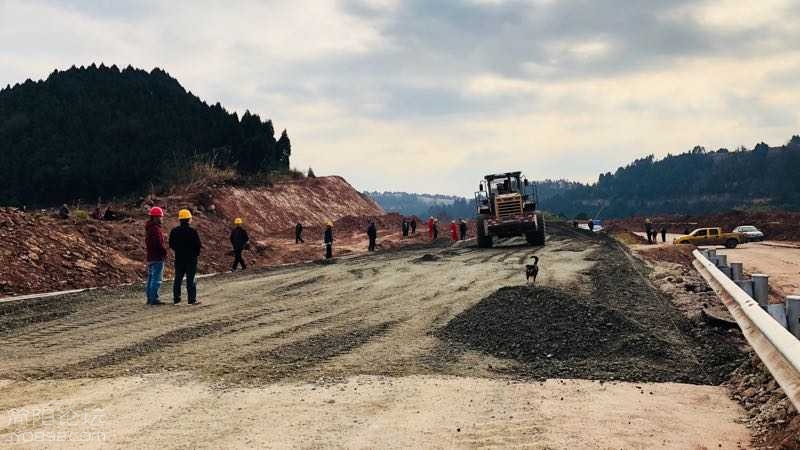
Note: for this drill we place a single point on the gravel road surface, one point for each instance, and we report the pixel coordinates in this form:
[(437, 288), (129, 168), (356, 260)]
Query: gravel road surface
[(397, 349)]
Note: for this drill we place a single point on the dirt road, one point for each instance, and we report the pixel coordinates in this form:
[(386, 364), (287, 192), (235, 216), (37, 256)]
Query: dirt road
[(779, 260), (378, 351)]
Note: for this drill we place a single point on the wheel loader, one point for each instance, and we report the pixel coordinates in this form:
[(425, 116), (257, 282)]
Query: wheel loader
[(505, 204)]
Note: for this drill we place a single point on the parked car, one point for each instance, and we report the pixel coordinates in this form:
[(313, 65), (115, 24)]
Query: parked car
[(711, 236), (752, 233)]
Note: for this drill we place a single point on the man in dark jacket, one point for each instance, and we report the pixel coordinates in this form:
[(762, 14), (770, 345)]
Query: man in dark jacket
[(663, 233), (328, 238), (372, 234), (462, 228), (413, 225), (239, 239), (185, 242), (404, 227), (298, 234), (156, 254)]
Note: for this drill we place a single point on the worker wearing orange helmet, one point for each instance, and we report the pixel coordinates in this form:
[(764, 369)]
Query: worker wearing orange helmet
[(185, 242), (156, 254), (239, 240)]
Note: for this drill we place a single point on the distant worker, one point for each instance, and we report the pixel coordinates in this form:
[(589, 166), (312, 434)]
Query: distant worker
[(298, 234), (463, 229), (185, 242), (575, 224), (435, 229), (413, 225), (372, 234), (686, 231), (63, 212), (663, 233), (239, 240), (590, 224), (453, 230), (430, 228), (328, 239), (156, 254), (404, 227), (648, 228)]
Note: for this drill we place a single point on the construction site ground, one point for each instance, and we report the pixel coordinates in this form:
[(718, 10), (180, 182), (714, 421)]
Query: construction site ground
[(778, 259), (424, 347)]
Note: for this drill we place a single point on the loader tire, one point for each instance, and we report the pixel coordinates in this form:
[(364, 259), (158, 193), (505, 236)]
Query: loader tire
[(537, 237), (484, 241), (731, 243)]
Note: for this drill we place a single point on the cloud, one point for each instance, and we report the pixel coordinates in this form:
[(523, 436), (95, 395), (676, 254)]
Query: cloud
[(426, 96)]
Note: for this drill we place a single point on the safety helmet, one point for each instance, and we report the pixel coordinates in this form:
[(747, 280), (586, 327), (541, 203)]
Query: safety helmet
[(329, 223), (184, 214), (155, 211), (237, 221)]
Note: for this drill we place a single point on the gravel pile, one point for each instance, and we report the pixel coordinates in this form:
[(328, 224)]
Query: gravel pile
[(624, 331)]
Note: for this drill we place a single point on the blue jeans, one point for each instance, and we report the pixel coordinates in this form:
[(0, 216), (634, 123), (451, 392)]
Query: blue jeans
[(154, 271)]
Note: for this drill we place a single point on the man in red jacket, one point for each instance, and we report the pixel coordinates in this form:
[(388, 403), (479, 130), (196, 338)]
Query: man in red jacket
[(156, 254)]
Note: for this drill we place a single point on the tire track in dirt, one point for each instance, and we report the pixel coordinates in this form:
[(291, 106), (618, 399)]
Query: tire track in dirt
[(289, 359)]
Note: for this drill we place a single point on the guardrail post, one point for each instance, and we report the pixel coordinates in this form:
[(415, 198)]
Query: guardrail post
[(711, 252), (761, 289), (777, 348), (727, 271), (736, 271), (793, 314), (722, 260), (778, 312), (747, 286)]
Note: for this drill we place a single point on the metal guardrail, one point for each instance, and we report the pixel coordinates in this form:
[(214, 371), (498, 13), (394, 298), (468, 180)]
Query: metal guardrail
[(777, 348)]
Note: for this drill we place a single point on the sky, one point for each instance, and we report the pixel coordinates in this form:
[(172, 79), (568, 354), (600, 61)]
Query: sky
[(428, 96)]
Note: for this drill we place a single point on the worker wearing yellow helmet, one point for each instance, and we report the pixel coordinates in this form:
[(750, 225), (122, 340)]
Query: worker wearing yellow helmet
[(328, 237), (239, 240), (185, 243), (184, 214)]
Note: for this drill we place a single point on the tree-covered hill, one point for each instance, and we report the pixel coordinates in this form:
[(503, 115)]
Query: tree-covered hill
[(98, 131), (424, 205), (695, 182)]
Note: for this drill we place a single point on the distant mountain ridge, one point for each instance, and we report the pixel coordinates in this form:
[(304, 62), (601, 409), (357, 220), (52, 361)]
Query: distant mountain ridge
[(424, 205), (100, 131), (696, 182)]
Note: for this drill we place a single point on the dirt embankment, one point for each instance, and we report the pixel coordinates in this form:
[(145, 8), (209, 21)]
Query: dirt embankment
[(40, 252), (778, 226)]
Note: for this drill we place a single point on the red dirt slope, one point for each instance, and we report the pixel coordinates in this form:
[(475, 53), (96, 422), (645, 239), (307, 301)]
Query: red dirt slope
[(311, 202), (40, 252)]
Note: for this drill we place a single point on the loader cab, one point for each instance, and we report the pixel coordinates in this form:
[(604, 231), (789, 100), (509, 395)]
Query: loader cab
[(504, 187)]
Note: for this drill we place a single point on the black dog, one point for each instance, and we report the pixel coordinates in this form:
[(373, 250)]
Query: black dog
[(531, 270)]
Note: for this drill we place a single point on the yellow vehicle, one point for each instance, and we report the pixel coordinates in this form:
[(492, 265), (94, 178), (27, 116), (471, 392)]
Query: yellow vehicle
[(711, 236)]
